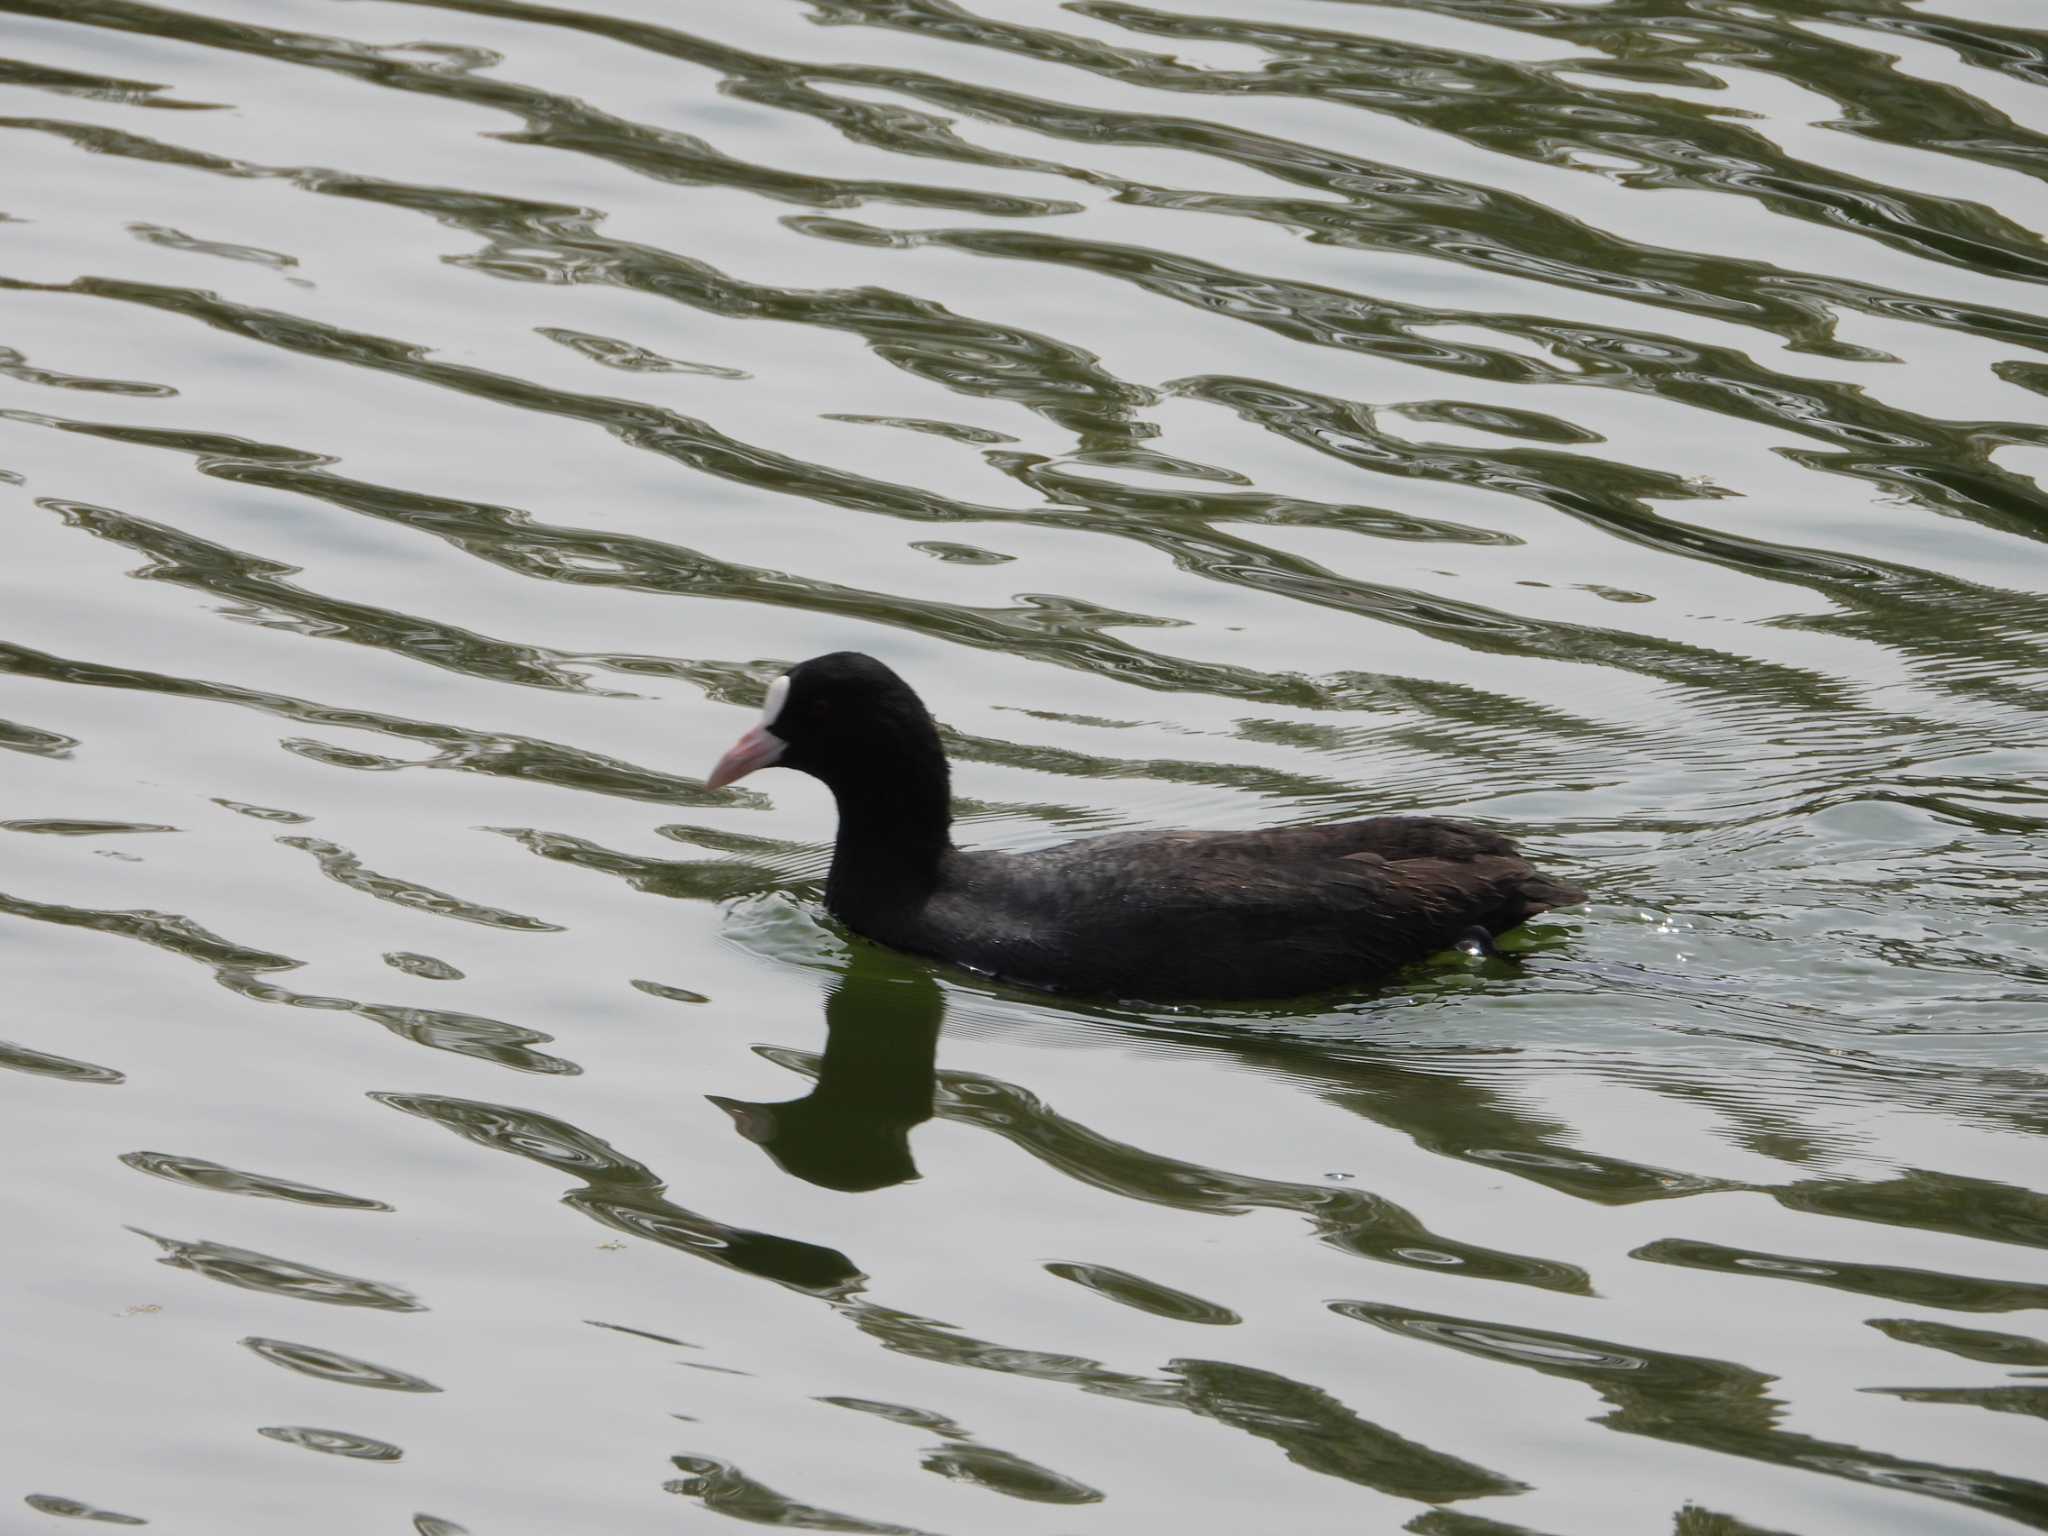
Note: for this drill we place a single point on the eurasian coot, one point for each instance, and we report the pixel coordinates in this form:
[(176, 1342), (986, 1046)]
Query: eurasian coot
[(1150, 915)]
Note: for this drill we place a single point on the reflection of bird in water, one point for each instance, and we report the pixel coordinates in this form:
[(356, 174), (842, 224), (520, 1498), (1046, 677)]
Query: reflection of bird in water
[(852, 1130)]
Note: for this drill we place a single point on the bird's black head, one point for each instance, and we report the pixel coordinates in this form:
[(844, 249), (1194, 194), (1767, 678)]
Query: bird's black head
[(850, 721), (843, 718)]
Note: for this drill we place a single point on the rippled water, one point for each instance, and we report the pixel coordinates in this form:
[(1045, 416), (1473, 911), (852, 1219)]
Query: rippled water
[(426, 427)]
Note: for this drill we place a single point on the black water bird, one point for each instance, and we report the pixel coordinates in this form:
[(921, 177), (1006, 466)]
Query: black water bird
[(1142, 915)]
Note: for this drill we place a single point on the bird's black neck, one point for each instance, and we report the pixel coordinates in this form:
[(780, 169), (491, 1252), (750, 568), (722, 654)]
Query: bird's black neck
[(895, 825)]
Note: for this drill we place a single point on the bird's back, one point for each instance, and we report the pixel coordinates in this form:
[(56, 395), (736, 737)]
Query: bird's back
[(1227, 914)]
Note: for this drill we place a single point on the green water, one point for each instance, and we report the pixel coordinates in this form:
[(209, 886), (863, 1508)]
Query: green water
[(426, 428)]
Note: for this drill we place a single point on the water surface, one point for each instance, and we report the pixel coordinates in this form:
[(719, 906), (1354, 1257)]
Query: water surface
[(425, 429)]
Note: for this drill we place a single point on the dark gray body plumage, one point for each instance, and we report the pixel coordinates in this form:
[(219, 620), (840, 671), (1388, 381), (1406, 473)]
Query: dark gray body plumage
[(1167, 915)]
